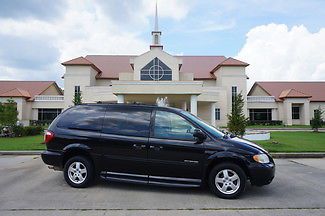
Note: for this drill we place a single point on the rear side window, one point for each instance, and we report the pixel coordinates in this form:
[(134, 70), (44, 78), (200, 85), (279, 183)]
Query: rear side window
[(128, 121), (83, 118)]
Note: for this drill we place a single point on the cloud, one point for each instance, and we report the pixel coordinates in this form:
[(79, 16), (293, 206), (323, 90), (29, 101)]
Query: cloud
[(34, 47), (276, 52), (32, 8)]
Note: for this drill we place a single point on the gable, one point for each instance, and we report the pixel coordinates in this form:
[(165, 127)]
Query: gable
[(51, 90), (257, 91)]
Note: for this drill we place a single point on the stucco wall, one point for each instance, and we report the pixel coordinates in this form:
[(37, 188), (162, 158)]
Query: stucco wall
[(77, 76), (258, 91), (142, 60), (52, 90), (316, 105), (233, 76)]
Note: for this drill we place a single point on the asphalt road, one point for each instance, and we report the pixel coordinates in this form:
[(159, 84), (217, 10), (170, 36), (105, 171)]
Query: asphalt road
[(28, 187)]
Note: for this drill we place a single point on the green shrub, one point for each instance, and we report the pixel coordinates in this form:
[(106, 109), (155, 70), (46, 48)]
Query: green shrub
[(20, 131)]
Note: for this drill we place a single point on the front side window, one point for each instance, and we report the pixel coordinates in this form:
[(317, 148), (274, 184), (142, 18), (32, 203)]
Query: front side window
[(156, 70), (172, 126), (295, 112), (127, 121)]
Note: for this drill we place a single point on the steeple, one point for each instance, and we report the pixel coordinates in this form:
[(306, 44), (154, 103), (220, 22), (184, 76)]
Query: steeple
[(156, 33), (156, 18)]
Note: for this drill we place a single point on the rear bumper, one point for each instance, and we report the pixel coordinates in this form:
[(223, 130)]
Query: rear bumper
[(261, 174), (52, 158)]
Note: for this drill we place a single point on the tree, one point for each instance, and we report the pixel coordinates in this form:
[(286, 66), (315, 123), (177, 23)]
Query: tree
[(8, 113), (237, 121), (317, 120), (77, 98)]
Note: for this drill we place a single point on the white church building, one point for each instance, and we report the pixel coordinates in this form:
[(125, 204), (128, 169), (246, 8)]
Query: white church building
[(202, 85)]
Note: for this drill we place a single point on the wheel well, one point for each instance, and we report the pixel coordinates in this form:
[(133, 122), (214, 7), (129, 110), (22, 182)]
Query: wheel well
[(76, 152), (217, 161)]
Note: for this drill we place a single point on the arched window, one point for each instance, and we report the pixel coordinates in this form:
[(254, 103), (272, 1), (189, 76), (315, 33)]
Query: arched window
[(156, 70)]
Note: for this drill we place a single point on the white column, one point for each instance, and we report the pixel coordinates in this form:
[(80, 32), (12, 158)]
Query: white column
[(194, 104), (120, 98), (287, 106), (306, 113), (213, 114), (184, 105)]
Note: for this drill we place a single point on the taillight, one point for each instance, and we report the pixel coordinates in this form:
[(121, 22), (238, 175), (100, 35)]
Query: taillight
[(48, 136)]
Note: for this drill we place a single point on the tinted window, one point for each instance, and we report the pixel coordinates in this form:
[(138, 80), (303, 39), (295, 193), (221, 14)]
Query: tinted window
[(127, 121), (83, 118), (172, 126), (295, 112)]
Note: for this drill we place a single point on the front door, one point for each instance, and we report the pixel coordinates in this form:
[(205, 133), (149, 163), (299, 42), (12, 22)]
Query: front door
[(124, 143), (174, 156)]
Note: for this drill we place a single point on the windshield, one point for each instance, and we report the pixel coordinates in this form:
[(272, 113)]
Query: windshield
[(214, 131)]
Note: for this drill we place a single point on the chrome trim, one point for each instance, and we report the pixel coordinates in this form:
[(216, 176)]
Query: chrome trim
[(173, 184), (191, 161), (126, 174), (176, 179), (125, 180)]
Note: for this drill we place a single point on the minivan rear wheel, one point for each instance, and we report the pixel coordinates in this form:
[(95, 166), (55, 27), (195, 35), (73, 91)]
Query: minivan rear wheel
[(78, 172), (227, 180)]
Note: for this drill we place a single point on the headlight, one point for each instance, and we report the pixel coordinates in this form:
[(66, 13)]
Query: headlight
[(261, 158)]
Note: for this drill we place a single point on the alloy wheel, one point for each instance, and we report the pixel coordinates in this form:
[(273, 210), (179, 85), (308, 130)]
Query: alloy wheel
[(77, 172), (227, 181)]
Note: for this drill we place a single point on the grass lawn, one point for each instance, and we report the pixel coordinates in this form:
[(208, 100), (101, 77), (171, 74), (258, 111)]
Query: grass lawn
[(22, 143), (280, 126), (295, 142), (287, 142)]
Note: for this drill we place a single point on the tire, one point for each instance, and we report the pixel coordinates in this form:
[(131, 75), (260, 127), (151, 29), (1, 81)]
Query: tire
[(222, 180), (78, 172)]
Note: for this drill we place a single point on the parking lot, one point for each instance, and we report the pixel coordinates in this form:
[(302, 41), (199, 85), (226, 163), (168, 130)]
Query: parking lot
[(28, 187)]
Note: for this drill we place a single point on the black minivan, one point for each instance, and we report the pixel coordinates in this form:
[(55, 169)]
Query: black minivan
[(152, 145)]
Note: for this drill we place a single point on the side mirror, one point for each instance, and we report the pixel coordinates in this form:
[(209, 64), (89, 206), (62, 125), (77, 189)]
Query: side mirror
[(199, 136)]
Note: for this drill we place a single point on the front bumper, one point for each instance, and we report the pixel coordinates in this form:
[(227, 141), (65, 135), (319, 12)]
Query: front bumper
[(52, 158), (261, 174)]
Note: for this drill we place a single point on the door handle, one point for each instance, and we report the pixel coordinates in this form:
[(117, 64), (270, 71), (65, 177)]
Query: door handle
[(139, 146), (156, 148)]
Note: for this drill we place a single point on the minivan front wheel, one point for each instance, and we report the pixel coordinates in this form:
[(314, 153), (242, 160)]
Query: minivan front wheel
[(227, 180), (78, 172)]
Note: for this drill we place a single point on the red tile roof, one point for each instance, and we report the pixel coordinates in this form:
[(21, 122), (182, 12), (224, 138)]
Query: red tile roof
[(26, 89), (314, 89), (112, 65), (293, 93), (15, 92), (81, 61)]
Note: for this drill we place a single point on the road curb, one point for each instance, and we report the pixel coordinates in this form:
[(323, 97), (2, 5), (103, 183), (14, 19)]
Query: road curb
[(274, 155), (299, 155), (20, 152)]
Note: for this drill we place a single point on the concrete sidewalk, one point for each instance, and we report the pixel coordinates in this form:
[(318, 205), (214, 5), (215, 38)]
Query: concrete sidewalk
[(285, 129), (28, 187)]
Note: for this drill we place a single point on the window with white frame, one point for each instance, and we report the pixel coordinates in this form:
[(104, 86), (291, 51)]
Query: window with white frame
[(217, 113), (233, 93), (76, 90)]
